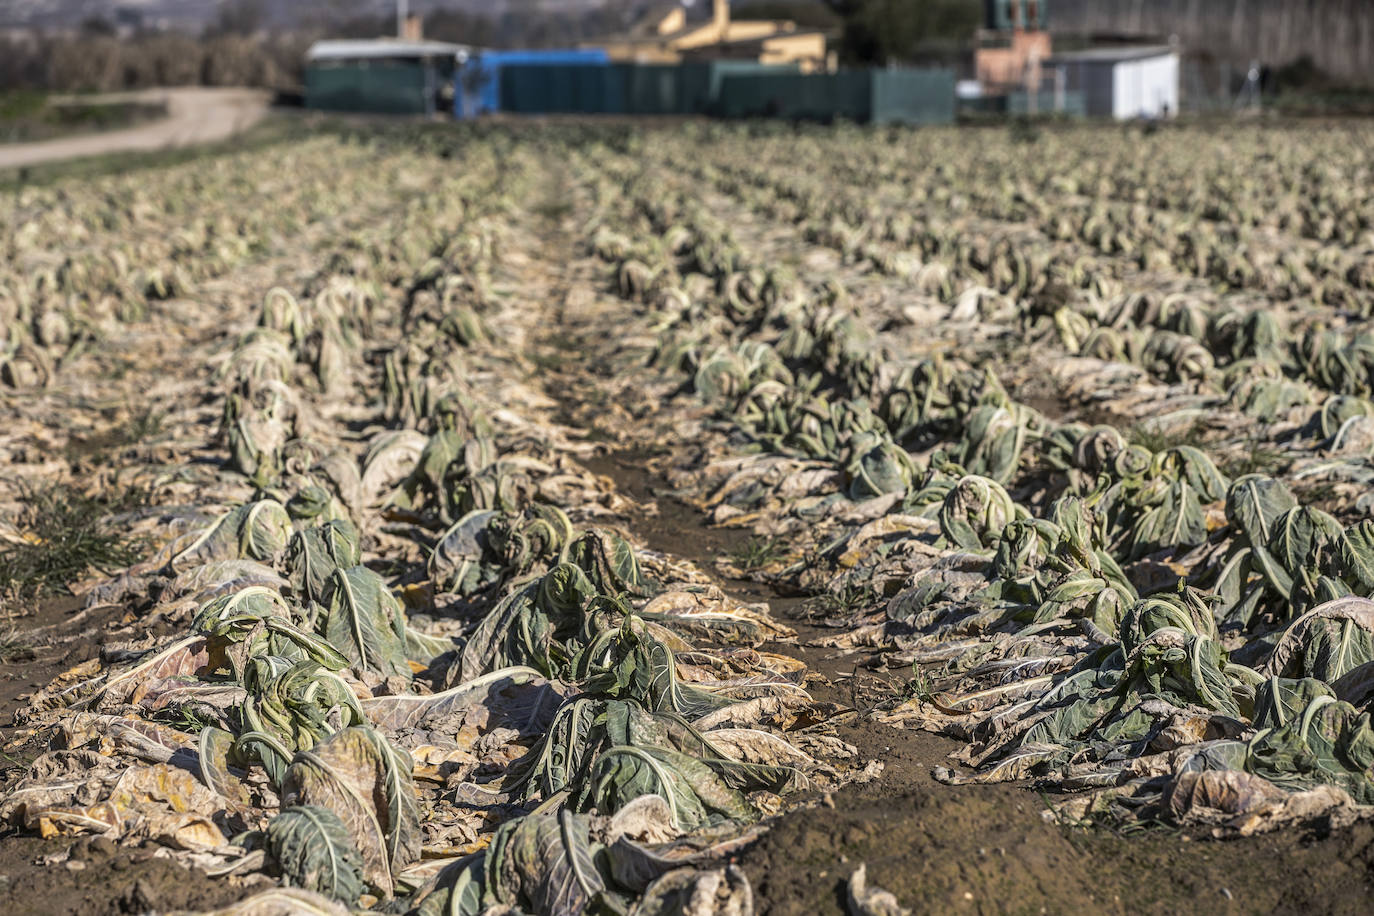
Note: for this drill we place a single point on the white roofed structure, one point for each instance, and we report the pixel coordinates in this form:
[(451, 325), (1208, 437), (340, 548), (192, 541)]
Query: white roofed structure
[(1122, 82), (373, 48)]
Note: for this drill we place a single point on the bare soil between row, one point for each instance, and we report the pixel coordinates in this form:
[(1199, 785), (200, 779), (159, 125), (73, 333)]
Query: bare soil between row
[(986, 848)]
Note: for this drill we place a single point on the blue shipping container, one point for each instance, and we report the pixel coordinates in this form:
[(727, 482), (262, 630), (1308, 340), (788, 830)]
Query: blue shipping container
[(477, 84)]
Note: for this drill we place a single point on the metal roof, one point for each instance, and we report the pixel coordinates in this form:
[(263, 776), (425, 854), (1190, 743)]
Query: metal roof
[(350, 49), (1112, 55)]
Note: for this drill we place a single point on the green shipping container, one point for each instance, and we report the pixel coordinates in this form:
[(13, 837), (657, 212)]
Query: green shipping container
[(385, 86)]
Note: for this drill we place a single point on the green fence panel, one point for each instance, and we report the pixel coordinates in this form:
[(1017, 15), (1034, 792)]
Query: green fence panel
[(653, 89), (912, 96), (562, 89), (704, 82), (730, 88), (1074, 104), (880, 96), (797, 96)]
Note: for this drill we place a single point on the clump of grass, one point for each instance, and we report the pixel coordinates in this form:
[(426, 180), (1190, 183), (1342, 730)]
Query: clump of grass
[(757, 553), (14, 647), (1257, 459), (64, 538), (847, 600), (1159, 441), (144, 426), (187, 719), (553, 209)]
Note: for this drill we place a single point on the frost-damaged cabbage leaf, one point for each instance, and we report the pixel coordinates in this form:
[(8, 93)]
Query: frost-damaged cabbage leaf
[(516, 698), (1060, 569), (543, 863), (364, 621), (298, 704), (450, 460), (865, 899), (1153, 501), (362, 778), (687, 891), (994, 436), (254, 428), (314, 851), (878, 466), (489, 546), (555, 863), (533, 625), (222, 766), (256, 622), (697, 794), (1288, 558), (285, 901), (1167, 662), (313, 555), (626, 662), (1305, 736), (1327, 642), (609, 563), (974, 513), (254, 531), (585, 729), (1254, 504)]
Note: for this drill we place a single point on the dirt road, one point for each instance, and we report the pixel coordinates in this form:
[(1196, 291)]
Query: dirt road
[(195, 115)]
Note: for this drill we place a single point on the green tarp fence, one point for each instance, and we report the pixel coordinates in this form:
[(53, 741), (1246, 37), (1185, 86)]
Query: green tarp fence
[(636, 89), (1046, 102), (730, 89), (874, 96)]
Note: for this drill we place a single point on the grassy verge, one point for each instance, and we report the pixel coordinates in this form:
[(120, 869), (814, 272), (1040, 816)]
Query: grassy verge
[(63, 537), (271, 131), (27, 116)]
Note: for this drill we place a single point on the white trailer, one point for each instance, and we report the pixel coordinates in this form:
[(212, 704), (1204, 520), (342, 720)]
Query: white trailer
[(1122, 83)]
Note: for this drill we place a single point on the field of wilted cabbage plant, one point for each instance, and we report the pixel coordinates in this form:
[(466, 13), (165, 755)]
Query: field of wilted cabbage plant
[(696, 520)]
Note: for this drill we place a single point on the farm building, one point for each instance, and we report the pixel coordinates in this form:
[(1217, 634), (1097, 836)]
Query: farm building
[(1127, 82), (383, 75), (705, 30), (1012, 44)]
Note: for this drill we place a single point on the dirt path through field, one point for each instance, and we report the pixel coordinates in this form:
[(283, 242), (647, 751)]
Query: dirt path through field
[(194, 115)]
